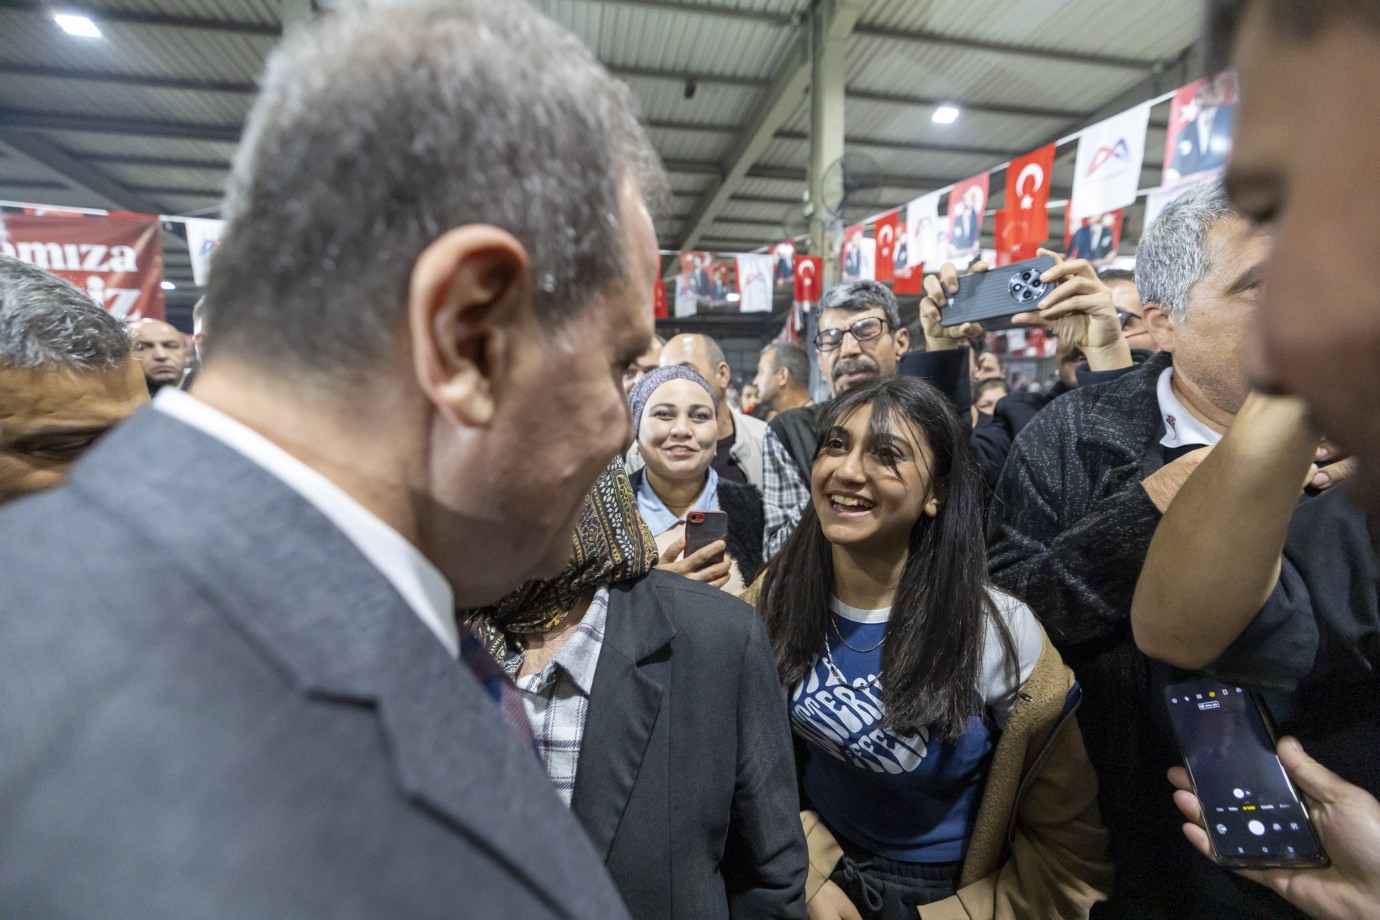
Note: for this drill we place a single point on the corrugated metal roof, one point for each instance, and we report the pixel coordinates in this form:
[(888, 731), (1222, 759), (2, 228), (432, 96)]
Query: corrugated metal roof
[(735, 57), (1131, 30), (669, 39), (110, 100)]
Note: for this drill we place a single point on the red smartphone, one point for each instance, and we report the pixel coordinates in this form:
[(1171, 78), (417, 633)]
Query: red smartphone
[(703, 528)]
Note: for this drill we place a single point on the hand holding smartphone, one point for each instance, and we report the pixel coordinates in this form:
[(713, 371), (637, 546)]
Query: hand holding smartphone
[(1253, 816), (999, 293), (703, 528)]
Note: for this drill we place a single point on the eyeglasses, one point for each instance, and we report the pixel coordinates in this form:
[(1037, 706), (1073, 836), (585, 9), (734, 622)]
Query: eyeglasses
[(863, 330), (1125, 317)]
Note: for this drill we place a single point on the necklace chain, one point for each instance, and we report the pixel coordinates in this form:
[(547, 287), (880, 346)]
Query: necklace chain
[(833, 622)]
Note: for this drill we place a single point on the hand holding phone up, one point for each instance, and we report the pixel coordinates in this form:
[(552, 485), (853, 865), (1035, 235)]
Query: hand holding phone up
[(938, 289), (1080, 312), (1347, 821)]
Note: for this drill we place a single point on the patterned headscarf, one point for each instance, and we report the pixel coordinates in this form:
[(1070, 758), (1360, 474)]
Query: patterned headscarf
[(612, 545), (642, 390)]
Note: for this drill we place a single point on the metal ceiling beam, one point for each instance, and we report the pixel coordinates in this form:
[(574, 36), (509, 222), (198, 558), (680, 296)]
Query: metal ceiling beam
[(688, 167), (684, 76), (29, 120), (708, 9), (880, 143), (922, 37), (160, 162), (134, 17), (104, 191), (915, 146), (990, 108), (768, 199), (882, 180), (120, 79)]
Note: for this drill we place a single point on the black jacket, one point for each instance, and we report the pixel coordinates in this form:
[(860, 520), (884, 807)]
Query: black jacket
[(746, 521), (686, 779), (1071, 525)]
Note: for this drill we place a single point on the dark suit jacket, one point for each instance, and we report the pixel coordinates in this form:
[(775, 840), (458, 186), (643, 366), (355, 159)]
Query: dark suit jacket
[(686, 780), (211, 705)]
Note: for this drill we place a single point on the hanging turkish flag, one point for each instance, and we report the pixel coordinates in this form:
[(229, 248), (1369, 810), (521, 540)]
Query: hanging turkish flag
[(1027, 197), (1007, 251), (659, 300), (888, 228), (910, 280), (807, 278)]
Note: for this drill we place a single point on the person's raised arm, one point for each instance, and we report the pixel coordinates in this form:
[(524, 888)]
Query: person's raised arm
[(1215, 556)]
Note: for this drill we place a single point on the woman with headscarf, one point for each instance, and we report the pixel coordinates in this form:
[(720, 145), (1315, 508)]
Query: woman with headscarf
[(655, 706), (676, 430)]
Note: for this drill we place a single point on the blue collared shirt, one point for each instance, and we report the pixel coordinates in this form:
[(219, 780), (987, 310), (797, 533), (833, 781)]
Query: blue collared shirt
[(655, 512)]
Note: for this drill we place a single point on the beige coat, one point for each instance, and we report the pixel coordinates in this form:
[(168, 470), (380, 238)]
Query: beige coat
[(1039, 849)]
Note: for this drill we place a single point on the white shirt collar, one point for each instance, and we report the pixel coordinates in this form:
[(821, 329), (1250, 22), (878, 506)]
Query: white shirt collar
[(858, 614), (419, 582), (1181, 428)]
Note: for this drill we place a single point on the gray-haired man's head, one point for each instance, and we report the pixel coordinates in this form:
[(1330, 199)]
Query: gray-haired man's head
[(392, 122), (440, 210), (860, 334), (1198, 270), (66, 376)]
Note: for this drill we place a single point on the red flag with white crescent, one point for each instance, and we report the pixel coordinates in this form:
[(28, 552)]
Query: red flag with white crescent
[(887, 229), (659, 299), (808, 270), (1027, 198)]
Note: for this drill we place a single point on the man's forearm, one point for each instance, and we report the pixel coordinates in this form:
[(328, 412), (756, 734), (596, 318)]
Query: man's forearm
[(1215, 556)]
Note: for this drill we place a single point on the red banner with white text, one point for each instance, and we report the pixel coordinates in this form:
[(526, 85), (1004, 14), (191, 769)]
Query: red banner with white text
[(116, 260)]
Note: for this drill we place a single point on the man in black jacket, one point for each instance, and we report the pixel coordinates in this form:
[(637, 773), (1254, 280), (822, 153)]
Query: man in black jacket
[(1077, 505)]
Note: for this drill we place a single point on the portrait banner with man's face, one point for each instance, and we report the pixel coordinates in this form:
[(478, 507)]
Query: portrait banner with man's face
[(967, 204), (1198, 141)]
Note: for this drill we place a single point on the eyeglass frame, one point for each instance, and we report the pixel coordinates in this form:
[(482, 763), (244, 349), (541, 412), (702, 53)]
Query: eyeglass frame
[(851, 329)]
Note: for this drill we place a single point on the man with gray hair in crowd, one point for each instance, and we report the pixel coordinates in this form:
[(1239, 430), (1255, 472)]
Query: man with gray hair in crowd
[(67, 376), (783, 378), (254, 707), (1078, 503)]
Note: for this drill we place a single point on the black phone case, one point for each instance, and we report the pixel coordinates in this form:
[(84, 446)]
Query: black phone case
[(703, 528), (999, 293), (1229, 862)]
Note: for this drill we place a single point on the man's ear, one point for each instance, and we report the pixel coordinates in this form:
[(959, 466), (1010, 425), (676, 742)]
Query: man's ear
[(902, 342), (725, 375), (467, 300), (1162, 325)]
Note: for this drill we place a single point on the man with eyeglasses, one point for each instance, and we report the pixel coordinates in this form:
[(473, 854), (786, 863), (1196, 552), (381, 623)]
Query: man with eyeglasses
[(860, 337), (1129, 310)]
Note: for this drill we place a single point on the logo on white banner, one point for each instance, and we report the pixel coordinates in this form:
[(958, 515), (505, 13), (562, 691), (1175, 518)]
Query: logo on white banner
[(1107, 172)]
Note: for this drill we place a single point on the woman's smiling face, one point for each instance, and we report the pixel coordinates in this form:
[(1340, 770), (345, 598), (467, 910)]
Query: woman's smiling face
[(679, 431), (869, 489)]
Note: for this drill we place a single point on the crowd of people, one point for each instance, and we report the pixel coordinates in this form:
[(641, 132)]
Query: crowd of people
[(402, 612)]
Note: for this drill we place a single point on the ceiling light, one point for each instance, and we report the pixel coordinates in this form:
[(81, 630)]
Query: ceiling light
[(945, 115), (80, 26), (169, 286)]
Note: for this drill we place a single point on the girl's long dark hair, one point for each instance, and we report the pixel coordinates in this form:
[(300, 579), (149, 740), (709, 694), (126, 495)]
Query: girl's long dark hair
[(934, 638)]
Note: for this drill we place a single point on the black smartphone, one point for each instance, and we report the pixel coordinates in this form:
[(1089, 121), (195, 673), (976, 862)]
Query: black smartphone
[(703, 528), (1253, 815), (998, 293)]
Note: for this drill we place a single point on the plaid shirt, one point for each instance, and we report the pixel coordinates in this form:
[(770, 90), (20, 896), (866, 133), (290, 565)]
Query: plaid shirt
[(784, 494), (556, 698)]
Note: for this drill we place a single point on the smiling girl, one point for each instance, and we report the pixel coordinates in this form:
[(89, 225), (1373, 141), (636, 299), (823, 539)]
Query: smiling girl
[(940, 764)]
